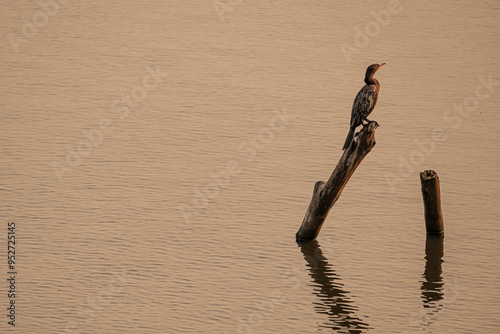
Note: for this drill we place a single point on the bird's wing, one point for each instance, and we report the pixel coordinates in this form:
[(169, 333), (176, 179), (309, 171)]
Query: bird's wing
[(363, 105)]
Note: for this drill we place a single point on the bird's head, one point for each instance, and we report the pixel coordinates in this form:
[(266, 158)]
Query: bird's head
[(373, 68), (370, 71)]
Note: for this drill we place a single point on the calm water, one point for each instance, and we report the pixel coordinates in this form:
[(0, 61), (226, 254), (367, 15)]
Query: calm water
[(117, 115)]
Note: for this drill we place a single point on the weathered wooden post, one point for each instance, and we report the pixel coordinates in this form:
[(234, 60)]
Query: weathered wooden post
[(432, 202), (325, 194)]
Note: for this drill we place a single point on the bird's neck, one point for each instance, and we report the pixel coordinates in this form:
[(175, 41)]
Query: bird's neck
[(370, 80)]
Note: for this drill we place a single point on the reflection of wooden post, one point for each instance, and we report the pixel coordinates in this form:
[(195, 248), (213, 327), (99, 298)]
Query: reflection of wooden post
[(432, 286), (432, 201), (327, 286), (325, 194)]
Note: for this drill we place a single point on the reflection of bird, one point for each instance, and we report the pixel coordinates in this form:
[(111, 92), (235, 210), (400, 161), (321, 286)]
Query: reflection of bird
[(364, 102)]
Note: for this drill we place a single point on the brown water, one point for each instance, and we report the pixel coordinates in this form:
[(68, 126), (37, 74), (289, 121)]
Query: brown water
[(117, 239)]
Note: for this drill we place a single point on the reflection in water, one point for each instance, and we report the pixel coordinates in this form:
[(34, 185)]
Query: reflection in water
[(432, 285), (334, 301)]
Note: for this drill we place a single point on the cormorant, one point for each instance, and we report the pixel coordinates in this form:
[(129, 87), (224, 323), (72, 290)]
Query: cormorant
[(364, 102)]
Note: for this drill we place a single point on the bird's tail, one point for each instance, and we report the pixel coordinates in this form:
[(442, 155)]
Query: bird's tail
[(348, 140)]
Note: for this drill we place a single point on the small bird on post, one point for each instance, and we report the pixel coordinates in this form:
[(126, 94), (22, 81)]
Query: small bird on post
[(364, 102)]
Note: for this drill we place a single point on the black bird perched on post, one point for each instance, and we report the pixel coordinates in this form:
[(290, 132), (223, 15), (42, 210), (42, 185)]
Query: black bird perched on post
[(364, 102)]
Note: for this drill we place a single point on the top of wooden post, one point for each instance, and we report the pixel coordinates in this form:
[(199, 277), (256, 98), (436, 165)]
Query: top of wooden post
[(428, 174)]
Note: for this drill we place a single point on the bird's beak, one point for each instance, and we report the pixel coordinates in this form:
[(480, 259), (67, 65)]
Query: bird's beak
[(381, 64)]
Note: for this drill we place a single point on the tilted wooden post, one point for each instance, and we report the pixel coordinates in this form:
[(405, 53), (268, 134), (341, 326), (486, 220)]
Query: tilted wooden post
[(325, 194), (432, 202)]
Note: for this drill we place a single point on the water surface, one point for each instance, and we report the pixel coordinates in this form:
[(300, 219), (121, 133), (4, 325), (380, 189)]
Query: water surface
[(120, 241)]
